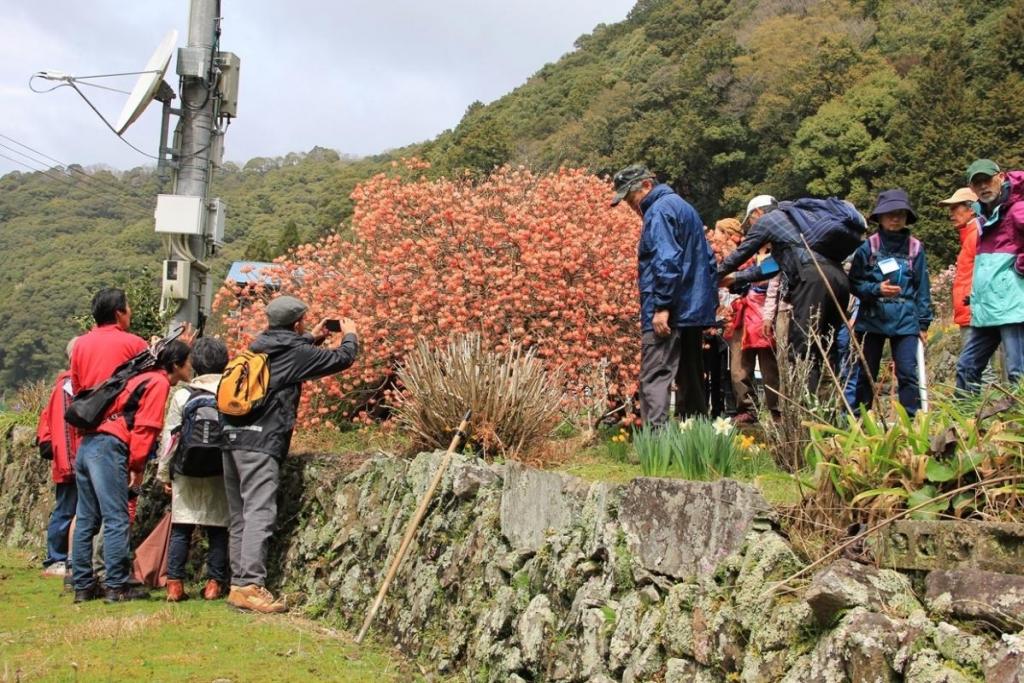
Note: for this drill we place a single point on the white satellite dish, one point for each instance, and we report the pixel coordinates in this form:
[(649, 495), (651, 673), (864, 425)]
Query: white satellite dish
[(148, 83)]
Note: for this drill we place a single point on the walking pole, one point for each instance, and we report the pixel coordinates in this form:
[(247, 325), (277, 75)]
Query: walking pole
[(414, 524), (922, 375)]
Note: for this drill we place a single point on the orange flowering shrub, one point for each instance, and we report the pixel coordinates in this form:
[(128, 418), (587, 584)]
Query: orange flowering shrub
[(537, 259)]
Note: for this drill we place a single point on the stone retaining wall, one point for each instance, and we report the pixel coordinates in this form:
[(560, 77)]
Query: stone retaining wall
[(524, 575)]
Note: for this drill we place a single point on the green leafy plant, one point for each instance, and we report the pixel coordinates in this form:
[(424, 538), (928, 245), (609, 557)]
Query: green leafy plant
[(618, 446), (875, 468), (654, 448), (699, 449)]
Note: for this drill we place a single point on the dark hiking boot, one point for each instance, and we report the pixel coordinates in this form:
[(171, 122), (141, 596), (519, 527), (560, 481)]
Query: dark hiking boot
[(126, 593), (86, 594)]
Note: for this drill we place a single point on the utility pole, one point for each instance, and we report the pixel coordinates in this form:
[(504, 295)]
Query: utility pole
[(195, 126), (193, 224)]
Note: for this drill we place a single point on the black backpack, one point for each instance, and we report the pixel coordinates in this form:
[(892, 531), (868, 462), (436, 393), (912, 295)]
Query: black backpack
[(831, 227), (199, 444), (89, 406)]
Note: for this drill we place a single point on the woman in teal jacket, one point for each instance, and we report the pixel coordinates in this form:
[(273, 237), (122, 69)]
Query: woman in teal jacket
[(890, 277)]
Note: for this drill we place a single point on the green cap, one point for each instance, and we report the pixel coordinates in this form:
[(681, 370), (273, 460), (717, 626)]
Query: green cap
[(625, 179), (982, 167)]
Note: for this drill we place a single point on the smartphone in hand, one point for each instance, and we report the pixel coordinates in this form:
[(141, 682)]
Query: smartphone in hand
[(332, 325)]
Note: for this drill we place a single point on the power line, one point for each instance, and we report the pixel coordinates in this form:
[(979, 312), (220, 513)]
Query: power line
[(69, 181), (82, 181), (67, 167)]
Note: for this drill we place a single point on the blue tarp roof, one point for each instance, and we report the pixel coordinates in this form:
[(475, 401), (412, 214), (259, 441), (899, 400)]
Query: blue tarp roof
[(253, 274)]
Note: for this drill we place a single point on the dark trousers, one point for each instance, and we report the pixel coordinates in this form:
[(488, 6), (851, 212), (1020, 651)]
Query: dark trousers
[(815, 313), (715, 373), (904, 355), (60, 523), (678, 358), (181, 543)]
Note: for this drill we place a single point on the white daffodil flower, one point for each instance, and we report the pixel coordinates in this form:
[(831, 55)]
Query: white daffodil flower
[(722, 426)]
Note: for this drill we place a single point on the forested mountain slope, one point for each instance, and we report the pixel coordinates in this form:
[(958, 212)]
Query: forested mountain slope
[(723, 99)]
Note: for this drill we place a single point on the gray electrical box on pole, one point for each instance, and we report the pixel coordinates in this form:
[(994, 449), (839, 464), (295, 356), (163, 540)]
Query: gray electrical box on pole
[(192, 223)]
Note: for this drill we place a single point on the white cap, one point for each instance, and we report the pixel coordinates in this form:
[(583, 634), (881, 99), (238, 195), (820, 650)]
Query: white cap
[(758, 202)]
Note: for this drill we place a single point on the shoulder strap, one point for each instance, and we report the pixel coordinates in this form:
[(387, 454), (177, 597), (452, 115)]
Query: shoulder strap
[(131, 406), (914, 248)]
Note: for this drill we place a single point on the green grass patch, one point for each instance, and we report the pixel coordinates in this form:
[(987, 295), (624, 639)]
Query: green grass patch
[(9, 419), (594, 464), (45, 637)]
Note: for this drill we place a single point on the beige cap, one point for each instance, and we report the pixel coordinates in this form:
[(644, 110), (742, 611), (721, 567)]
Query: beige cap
[(961, 196)]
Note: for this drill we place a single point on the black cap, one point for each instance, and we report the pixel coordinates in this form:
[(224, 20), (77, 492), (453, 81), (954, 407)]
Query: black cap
[(626, 179)]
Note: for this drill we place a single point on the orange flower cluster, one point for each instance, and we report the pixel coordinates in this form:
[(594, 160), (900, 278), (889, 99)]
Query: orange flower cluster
[(539, 260)]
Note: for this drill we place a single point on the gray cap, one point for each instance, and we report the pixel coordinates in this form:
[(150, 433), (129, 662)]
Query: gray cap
[(284, 311), (626, 179)]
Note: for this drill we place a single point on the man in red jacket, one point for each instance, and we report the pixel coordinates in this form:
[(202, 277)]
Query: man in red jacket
[(118, 448), (101, 466), (58, 442)]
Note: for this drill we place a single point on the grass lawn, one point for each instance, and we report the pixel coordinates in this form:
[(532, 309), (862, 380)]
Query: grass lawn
[(45, 637)]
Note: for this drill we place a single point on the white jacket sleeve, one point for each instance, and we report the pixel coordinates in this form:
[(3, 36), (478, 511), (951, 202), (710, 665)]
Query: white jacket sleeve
[(171, 422)]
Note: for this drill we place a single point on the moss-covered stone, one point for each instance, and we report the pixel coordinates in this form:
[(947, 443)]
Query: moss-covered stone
[(578, 604)]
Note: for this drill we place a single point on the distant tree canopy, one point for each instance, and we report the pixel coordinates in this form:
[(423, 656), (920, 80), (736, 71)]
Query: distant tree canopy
[(722, 99)]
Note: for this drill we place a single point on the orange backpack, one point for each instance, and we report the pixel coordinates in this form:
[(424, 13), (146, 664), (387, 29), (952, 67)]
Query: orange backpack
[(245, 385)]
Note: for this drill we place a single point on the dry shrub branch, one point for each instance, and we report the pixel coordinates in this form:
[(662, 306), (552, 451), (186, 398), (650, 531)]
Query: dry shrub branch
[(515, 402)]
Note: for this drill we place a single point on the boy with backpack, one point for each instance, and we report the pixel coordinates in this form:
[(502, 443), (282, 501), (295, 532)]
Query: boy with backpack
[(890, 277), (58, 442), (258, 397), (191, 468)]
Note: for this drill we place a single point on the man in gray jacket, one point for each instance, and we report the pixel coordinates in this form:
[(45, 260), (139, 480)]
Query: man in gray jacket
[(256, 445)]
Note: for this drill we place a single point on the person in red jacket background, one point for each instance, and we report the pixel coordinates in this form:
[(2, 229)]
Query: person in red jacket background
[(961, 214), (58, 442)]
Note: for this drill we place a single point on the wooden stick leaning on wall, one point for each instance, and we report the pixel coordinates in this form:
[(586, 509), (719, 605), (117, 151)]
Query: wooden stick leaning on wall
[(414, 523)]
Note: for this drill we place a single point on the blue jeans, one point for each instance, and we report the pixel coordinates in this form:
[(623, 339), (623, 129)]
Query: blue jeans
[(904, 355), (849, 366), (216, 558), (982, 342), (60, 522), (101, 470)]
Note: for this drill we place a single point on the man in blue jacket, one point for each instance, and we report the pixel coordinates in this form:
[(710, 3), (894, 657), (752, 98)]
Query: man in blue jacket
[(678, 294)]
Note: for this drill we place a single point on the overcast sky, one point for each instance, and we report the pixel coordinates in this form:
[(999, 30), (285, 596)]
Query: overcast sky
[(357, 77)]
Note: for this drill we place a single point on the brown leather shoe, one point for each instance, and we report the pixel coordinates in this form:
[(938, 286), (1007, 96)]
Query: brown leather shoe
[(175, 591), (213, 590), (255, 599)]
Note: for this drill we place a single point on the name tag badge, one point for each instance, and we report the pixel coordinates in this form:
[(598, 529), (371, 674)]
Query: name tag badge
[(888, 266)]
